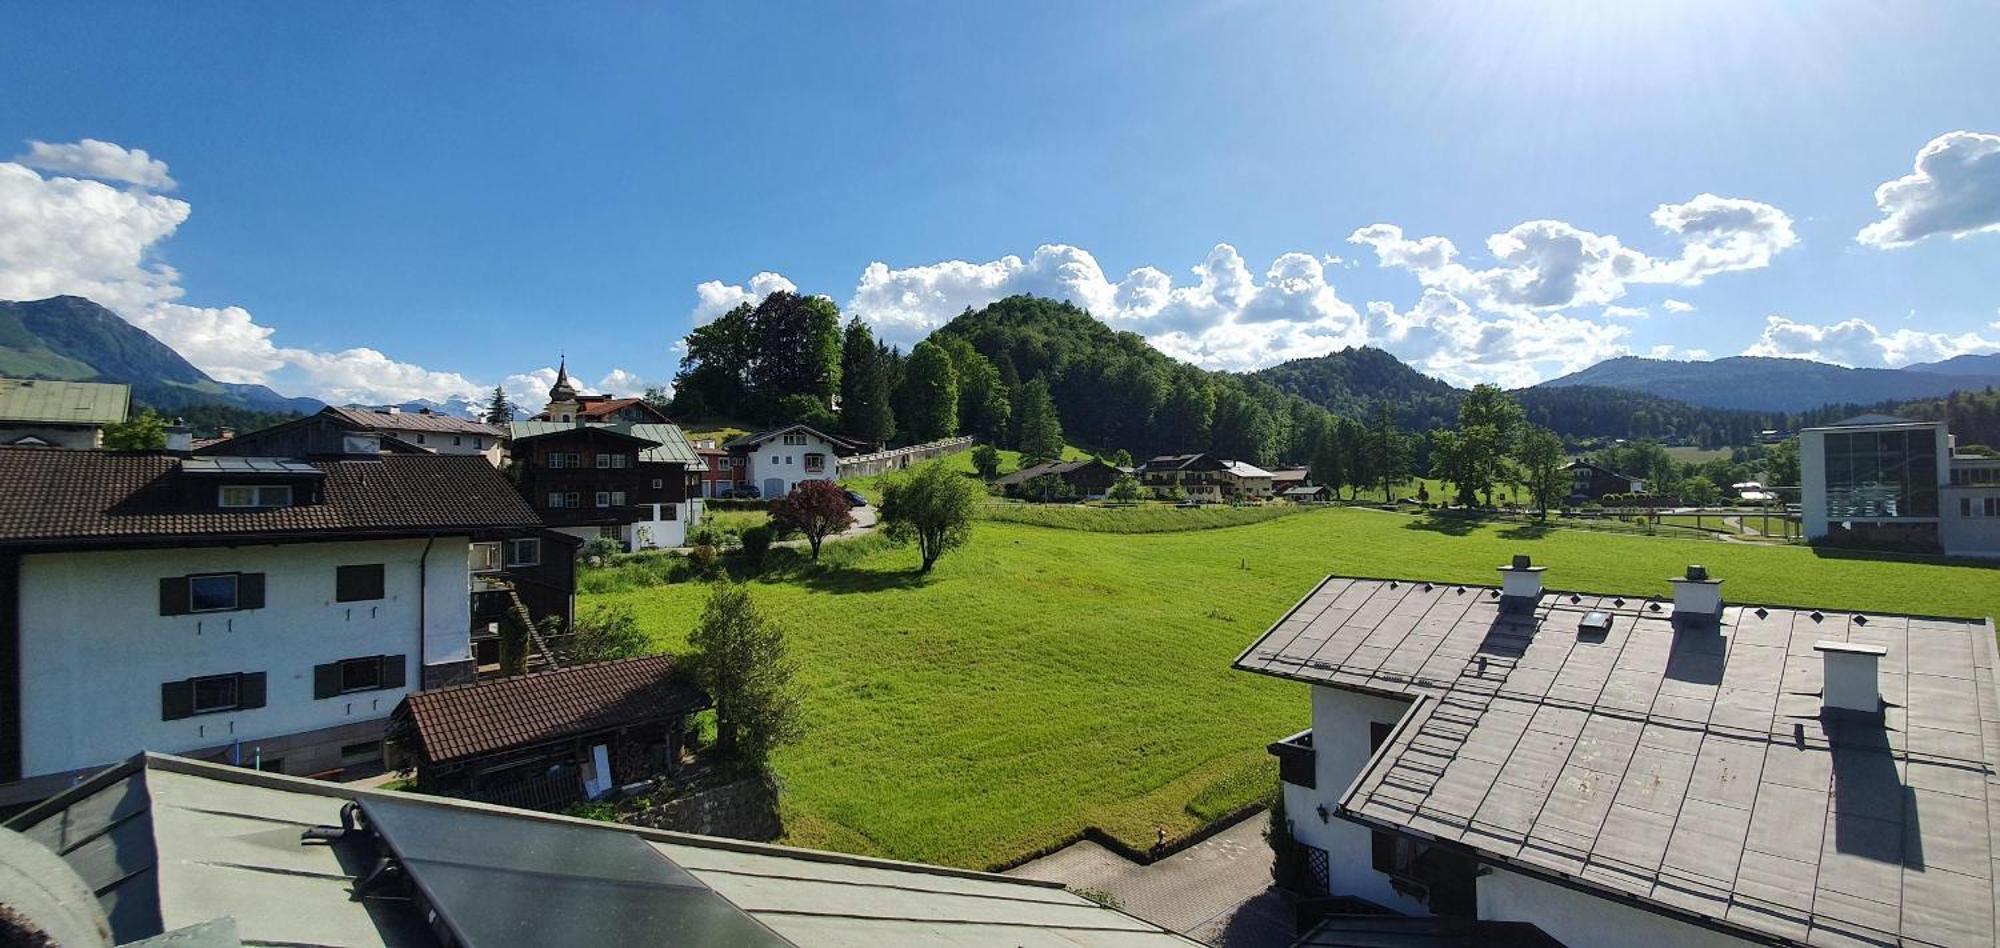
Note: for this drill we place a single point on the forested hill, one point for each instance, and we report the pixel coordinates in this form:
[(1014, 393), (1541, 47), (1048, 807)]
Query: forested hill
[(1772, 385), (1114, 392), (1355, 381)]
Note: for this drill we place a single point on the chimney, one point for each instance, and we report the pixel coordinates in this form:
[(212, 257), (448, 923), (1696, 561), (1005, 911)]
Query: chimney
[(393, 409), (1851, 682), (225, 433), (1520, 583), (1697, 596), (180, 438)]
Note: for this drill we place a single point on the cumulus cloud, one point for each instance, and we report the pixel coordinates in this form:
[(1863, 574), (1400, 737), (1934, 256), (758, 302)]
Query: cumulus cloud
[(715, 297), (70, 235), (1857, 342), (1445, 337), (1545, 265), (1954, 189), (623, 383), (104, 161), (1677, 306)]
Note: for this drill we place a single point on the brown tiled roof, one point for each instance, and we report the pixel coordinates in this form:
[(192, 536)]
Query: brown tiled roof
[(414, 421), (86, 496), (612, 406), (470, 720)]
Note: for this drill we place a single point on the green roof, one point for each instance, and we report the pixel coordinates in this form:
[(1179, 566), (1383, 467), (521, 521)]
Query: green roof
[(63, 403), (670, 444)]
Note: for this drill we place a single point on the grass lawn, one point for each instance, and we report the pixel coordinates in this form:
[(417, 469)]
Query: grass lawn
[(1042, 680), (1140, 518), (736, 521), (1691, 454), (1010, 461)]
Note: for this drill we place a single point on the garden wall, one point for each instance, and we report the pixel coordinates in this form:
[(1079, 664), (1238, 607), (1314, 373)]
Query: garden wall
[(896, 459)]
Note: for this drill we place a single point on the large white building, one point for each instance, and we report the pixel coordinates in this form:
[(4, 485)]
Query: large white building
[(777, 460), (264, 610), (1646, 769), (1878, 481)]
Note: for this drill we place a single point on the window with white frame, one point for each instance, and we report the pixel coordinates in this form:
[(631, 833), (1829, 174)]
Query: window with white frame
[(254, 495), (524, 552), (795, 439), (559, 460), (604, 498), (617, 498), (815, 463)]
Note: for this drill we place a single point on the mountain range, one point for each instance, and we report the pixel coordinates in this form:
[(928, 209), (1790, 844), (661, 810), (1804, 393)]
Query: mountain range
[(1755, 383), (72, 339)]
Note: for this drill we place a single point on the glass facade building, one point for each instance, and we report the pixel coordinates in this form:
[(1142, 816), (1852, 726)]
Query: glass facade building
[(1882, 473)]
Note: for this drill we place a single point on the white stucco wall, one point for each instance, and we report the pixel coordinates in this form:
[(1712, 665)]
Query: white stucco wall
[(95, 649), (486, 446), (787, 462), (61, 436), (1340, 721), (1975, 535), (1574, 918)]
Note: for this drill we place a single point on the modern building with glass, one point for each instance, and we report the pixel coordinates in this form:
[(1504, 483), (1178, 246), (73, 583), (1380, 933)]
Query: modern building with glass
[(1880, 481)]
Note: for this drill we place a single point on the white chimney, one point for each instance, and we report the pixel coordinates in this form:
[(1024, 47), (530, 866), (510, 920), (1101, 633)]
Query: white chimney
[(1851, 682), (1521, 580), (1695, 595), (180, 438)]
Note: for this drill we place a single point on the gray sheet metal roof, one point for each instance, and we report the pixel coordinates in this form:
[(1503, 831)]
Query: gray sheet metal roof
[(670, 444), (1682, 766), (169, 842), (64, 403), (416, 421)]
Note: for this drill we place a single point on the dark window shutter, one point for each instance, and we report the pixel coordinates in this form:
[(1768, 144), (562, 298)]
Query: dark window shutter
[(174, 596), (250, 690), (176, 700), (250, 590), (392, 671), (360, 583), (326, 680)]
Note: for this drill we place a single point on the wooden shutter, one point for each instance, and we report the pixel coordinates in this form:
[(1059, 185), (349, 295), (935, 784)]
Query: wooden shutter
[(249, 590), (250, 690), (174, 596), (359, 583), (176, 700), (392, 672), (326, 680)]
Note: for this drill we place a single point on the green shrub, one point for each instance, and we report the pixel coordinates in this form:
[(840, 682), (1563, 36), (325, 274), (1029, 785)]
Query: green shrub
[(756, 540)]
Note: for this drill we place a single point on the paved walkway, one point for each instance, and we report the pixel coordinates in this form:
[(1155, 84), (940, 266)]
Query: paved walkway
[(1217, 891)]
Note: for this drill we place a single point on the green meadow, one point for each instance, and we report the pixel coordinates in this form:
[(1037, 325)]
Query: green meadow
[(1046, 678)]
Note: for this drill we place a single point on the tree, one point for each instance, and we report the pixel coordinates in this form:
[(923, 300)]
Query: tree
[(817, 509), (739, 658), (1326, 467), (1390, 448), (1125, 490), (499, 408), (1488, 421), (714, 371), (933, 505), (798, 348), (144, 431), (930, 387), (1041, 429), (1544, 467), (658, 396), (986, 461), (1781, 463), (864, 387), (983, 408), (1119, 458), (600, 635)]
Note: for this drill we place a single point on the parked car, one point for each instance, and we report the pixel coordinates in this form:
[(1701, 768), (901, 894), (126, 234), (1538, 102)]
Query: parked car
[(854, 499), (742, 492)]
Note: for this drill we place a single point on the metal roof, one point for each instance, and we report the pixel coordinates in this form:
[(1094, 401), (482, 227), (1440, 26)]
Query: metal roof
[(168, 842), (670, 445), (415, 421), (1684, 766), (64, 403), (232, 465)]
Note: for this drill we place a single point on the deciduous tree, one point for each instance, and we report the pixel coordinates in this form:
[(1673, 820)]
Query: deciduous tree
[(739, 658), (1544, 467), (144, 431), (930, 386), (986, 461), (933, 505), (817, 509)]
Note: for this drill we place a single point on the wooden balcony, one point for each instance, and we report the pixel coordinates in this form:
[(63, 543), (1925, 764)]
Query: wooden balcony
[(1296, 760)]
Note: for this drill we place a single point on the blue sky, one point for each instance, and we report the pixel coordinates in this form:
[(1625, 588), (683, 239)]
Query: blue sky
[(381, 202)]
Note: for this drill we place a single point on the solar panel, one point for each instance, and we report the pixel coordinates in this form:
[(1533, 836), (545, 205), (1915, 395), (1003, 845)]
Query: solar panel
[(225, 464), (495, 879)]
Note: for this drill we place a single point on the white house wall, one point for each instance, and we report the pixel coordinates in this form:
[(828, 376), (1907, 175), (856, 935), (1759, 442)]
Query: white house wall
[(787, 462), (95, 649), (1576, 918), (1341, 722)]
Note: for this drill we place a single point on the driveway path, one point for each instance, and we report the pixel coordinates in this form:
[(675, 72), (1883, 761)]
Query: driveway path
[(1217, 891)]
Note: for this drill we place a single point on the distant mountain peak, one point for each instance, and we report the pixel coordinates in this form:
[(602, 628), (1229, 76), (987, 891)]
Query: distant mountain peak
[(1775, 384)]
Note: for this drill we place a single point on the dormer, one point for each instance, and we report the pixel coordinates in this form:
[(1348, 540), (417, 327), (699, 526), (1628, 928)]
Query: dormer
[(237, 484)]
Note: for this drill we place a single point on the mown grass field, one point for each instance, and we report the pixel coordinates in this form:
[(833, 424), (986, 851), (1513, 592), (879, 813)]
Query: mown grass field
[(1043, 680), (1138, 518)]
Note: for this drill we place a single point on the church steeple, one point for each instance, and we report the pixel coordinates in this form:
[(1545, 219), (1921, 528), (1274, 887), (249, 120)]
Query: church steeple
[(562, 395)]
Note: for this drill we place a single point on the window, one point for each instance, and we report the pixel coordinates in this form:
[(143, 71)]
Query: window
[(572, 499), (815, 463), (457, 440), (210, 694), (1877, 474), (604, 498), (524, 552), (788, 459), (611, 532), (360, 444), (658, 483), (617, 498), (479, 443), (603, 461), (555, 499), (1993, 506), (485, 557), (255, 495), (211, 592), (358, 583), (560, 460), (727, 462), (795, 439), (420, 439), (1965, 506), (371, 673)]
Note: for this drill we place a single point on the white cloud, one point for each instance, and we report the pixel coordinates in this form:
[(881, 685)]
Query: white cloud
[(1954, 189), (1625, 312), (1677, 353), (1554, 265), (715, 297), (105, 161), (1857, 342), (67, 235), (1677, 306), (1444, 336), (622, 383)]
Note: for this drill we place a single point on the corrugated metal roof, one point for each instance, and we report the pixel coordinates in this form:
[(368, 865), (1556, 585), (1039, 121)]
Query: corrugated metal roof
[(192, 841), (1684, 763), (670, 445), (69, 403), (415, 421)]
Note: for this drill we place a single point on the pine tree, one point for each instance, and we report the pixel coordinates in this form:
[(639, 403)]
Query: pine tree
[(930, 387), (499, 408), (864, 387), (1041, 428)]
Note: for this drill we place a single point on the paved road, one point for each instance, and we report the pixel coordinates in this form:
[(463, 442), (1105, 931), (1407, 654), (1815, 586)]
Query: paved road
[(1216, 891)]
